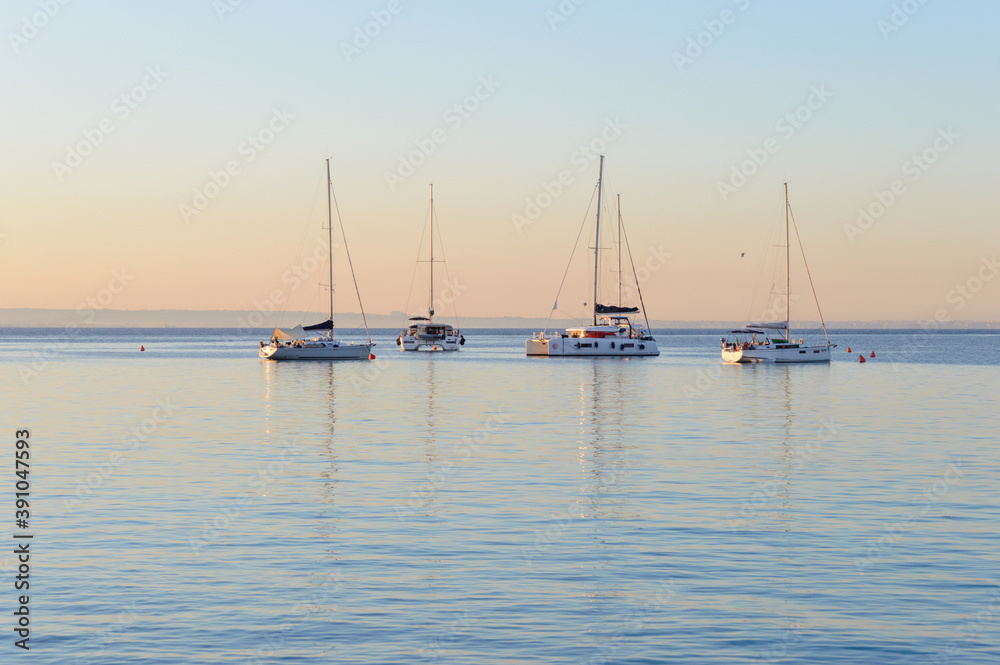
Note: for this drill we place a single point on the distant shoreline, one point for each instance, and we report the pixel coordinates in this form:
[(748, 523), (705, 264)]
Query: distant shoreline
[(172, 318)]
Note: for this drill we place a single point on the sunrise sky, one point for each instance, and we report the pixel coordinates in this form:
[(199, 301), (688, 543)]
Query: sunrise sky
[(121, 120)]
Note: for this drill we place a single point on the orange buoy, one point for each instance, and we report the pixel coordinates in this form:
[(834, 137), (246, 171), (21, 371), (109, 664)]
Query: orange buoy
[(142, 348), (861, 359), (848, 349), (872, 355), (371, 356)]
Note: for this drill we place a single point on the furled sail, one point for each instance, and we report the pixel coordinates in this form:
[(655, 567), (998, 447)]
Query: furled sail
[(776, 325), (326, 325), (614, 309)]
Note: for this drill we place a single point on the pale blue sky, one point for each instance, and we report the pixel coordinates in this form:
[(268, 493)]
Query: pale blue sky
[(684, 132)]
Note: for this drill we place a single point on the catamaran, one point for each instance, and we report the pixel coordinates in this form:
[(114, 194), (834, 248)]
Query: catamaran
[(422, 334), (760, 342), (295, 343), (612, 332)]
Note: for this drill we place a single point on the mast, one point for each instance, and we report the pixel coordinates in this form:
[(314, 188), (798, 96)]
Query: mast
[(430, 307), (597, 233), (329, 239), (788, 244), (619, 196)]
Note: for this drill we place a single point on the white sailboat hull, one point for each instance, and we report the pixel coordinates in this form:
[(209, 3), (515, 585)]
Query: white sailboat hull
[(569, 347), (797, 354), (317, 351)]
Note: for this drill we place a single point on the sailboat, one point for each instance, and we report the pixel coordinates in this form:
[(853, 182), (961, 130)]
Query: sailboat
[(422, 334), (612, 332), (760, 343), (295, 343)]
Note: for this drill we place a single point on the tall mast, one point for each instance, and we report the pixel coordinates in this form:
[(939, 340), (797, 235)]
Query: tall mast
[(597, 233), (430, 308), (329, 238), (788, 244), (619, 197)]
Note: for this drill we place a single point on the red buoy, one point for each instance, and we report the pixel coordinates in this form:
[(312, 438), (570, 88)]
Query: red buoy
[(861, 359), (371, 356), (848, 349), (872, 355), (142, 348)]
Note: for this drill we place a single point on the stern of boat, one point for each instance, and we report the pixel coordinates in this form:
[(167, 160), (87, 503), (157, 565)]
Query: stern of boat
[(536, 347), (733, 356), (411, 343)]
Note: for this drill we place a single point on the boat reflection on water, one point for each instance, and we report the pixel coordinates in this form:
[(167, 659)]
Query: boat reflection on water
[(786, 451), (606, 458), (428, 439)]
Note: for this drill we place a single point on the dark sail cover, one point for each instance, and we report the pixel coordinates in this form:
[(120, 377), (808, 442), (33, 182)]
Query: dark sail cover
[(611, 309), (326, 325)]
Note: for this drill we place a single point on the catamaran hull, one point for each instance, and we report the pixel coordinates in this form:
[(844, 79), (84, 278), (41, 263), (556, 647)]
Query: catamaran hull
[(328, 352), (780, 356), (410, 343), (568, 347)]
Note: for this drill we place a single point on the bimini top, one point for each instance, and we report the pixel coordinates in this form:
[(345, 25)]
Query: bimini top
[(418, 318), (746, 332)]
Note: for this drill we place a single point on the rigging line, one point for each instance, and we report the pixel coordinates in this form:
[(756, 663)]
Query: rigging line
[(350, 264), (606, 282), (302, 242), (803, 251), (754, 284), (778, 299), (755, 287), (416, 266), (447, 274), (570, 262), (635, 276), (765, 259), (573, 317)]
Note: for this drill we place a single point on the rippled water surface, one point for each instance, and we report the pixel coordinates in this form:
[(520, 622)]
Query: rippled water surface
[(192, 503)]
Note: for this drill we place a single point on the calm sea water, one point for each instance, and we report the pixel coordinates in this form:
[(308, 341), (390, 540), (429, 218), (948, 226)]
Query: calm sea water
[(192, 503)]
